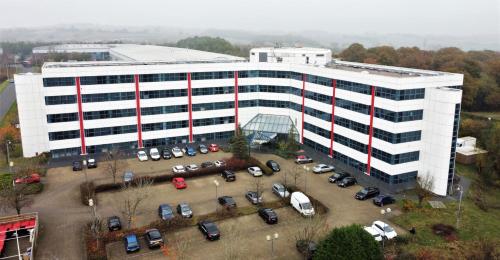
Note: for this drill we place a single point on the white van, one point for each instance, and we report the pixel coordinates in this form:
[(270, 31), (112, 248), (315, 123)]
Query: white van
[(302, 204)]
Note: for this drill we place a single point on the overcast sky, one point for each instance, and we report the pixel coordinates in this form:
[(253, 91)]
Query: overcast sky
[(442, 17)]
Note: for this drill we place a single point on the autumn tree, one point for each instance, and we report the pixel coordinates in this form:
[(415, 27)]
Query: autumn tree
[(355, 52), (16, 195)]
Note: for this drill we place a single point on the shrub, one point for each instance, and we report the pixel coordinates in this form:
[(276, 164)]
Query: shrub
[(266, 170), (448, 232), (408, 205), (34, 188)]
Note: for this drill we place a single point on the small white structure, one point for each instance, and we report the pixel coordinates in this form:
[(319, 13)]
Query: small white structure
[(308, 56), (467, 150)]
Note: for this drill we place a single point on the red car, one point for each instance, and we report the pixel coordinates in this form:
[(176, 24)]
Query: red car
[(179, 183), (33, 178), (301, 159), (213, 147)]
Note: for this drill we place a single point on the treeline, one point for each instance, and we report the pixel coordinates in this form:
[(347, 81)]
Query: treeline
[(214, 44), (481, 69)]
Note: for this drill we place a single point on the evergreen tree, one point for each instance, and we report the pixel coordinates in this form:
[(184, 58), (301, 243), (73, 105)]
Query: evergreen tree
[(239, 145)]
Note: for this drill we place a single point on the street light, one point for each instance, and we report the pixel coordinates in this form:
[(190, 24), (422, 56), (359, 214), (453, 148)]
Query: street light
[(271, 239), (216, 194), (461, 190), (384, 213), (306, 169), (8, 154)]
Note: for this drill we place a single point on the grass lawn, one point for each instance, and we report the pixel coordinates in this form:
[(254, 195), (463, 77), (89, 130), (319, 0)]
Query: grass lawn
[(493, 115), (11, 115), (3, 85), (475, 224)]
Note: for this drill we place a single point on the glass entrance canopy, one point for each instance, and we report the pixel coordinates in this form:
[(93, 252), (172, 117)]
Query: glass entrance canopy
[(263, 128)]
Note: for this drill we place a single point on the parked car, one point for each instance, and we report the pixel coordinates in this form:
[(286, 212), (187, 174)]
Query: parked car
[(203, 149), (166, 154), (280, 190), (253, 197), (142, 156), (114, 223), (32, 178), (154, 154), (301, 159), (306, 247), (227, 201), (323, 168), (192, 167), (209, 230), (131, 243), (366, 193), (213, 147), (207, 164), (179, 183), (178, 169), (153, 238), (228, 175), (384, 230), (77, 166), (189, 151), (382, 200), (91, 163), (373, 233), (301, 203), (177, 152), (338, 176), (165, 212), (220, 163), (346, 182), (268, 215), (255, 171), (128, 177), (273, 165), (184, 210)]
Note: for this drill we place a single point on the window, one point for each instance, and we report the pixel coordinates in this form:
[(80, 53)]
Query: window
[(163, 93), (212, 91), (162, 77), (126, 129), (113, 79), (59, 100), (213, 106), (213, 121), (105, 97), (109, 114), (59, 82), (62, 135), (145, 111), (212, 75), (66, 117)]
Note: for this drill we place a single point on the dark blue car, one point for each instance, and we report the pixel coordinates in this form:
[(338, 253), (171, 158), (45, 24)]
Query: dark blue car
[(165, 212), (131, 243), (190, 151)]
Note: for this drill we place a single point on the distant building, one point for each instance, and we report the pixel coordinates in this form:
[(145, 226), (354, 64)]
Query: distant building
[(467, 151), (389, 123)]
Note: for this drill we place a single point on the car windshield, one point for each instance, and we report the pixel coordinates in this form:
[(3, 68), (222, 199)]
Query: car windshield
[(336, 175), (388, 229), (306, 205), (185, 208), (132, 242), (211, 227), (364, 191), (114, 221), (176, 150), (229, 200), (128, 175), (155, 234), (166, 211)]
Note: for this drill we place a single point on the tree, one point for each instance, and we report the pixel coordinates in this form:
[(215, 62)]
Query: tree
[(258, 186), (115, 163), (8, 133), (423, 188), (355, 52), (239, 145), (311, 229), (296, 174), (350, 242), (15, 196), (132, 196)]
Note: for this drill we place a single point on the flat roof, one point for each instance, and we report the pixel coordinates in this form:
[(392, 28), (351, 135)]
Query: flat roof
[(382, 70), (291, 50)]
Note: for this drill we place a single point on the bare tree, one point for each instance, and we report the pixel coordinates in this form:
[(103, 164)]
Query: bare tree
[(15, 195), (296, 175), (233, 248), (132, 196), (115, 163), (312, 228), (258, 186), (423, 188), (181, 245)]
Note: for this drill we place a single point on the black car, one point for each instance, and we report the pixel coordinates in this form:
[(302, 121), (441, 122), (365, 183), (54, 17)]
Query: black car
[(91, 163), (307, 248), (228, 175), (77, 166), (207, 164), (338, 176), (268, 215), (153, 238), (273, 165), (209, 230), (166, 154), (366, 193), (114, 223), (382, 200), (227, 202), (346, 182)]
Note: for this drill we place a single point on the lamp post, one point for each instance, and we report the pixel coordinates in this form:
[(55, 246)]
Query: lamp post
[(271, 239), (216, 194), (7, 144), (461, 190), (384, 214), (306, 169)]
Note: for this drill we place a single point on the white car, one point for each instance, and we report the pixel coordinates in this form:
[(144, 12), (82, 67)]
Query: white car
[(373, 233), (178, 169), (322, 168), (192, 167), (255, 171), (155, 154), (219, 163), (142, 156), (384, 229), (177, 152)]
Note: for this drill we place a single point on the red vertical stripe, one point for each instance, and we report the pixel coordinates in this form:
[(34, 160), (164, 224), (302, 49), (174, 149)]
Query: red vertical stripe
[(303, 105), (80, 114), (370, 134), (334, 86), (138, 111), (236, 101), (190, 110)]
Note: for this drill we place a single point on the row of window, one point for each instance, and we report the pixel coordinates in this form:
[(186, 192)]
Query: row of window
[(212, 91), (213, 121), (165, 125), (396, 158), (63, 135), (109, 114), (162, 77), (397, 138), (58, 118), (398, 116), (115, 130), (165, 141), (60, 100), (213, 106), (163, 93), (59, 82), (146, 111), (112, 79), (106, 97), (213, 136), (212, 75)]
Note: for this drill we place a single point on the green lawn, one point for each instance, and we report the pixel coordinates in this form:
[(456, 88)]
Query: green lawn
[(3, 85), (493, 115), (11, 115)]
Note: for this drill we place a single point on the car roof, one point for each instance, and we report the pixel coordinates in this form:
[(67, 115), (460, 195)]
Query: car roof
[(179, 179), (370, 230), (165, 206), (131, 237), (380, 223), (279, 185)]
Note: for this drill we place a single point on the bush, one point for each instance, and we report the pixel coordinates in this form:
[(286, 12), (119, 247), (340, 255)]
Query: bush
[(266, 170), (34, 188), (408, 205), (350, 242), (448, 232)]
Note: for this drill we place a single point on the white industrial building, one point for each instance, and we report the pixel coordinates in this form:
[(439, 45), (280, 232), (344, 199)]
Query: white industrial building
[(389, 123)]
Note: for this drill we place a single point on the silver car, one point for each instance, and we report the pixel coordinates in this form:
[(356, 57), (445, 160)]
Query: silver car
[(280, 190), (322, 168)]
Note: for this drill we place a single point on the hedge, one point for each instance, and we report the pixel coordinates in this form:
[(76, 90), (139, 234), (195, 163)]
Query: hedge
[(266, 170)]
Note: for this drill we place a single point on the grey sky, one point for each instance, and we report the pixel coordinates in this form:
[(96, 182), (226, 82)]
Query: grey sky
[(442, 17)]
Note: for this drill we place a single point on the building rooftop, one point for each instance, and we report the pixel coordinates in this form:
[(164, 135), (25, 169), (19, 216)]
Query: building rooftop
[(295, 50), (382, 70)]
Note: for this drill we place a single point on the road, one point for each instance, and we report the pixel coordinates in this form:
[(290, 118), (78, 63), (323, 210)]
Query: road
[(7, 98)]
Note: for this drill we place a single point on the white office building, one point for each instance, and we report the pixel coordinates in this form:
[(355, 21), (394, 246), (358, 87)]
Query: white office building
[(392, 124)]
